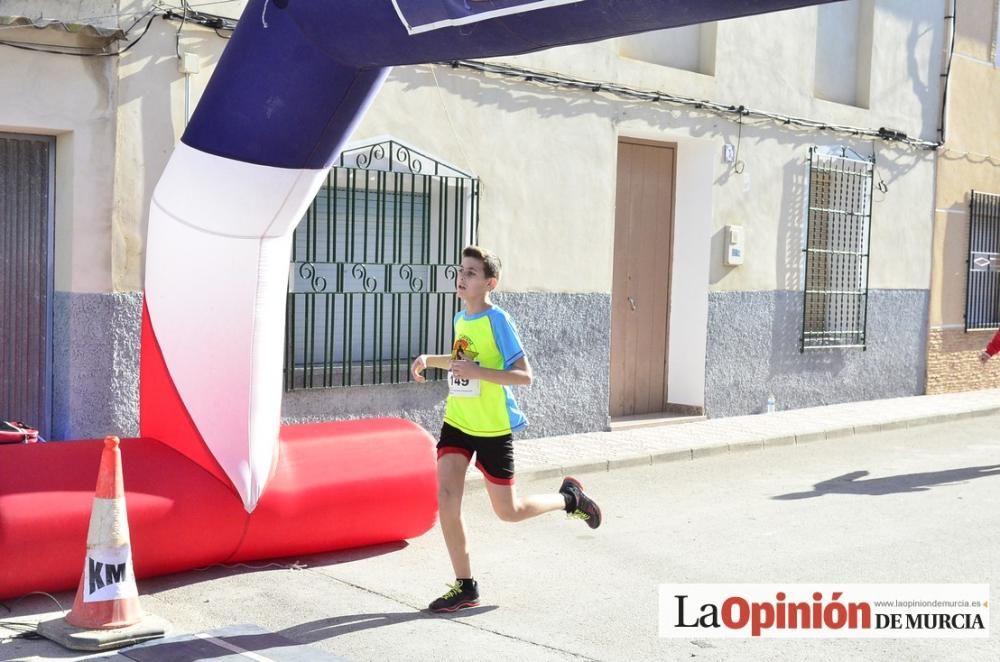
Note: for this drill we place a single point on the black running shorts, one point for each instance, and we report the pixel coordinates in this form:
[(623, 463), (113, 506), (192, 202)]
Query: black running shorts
[(494, 455)]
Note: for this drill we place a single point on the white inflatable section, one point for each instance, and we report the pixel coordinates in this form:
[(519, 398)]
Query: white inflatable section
[(217, 255)]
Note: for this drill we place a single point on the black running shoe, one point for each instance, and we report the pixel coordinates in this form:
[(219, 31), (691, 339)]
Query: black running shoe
[(460, 596), (583, 507)]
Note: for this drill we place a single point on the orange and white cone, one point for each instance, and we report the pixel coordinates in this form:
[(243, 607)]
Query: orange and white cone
[(108, 596)]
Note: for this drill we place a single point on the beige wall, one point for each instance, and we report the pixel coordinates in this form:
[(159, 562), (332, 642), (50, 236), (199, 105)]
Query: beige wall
[(116, 121), (150, 121), (544, 209), (976, 28), (547, 157), (71, 98), (970, 159), (953, 361)]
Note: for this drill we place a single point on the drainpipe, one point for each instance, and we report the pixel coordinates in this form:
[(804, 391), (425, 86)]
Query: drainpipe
[(946, 76)]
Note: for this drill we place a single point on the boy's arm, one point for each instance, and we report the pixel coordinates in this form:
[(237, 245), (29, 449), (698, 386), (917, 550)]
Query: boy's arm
[(424, 361), (442, 361), (519, 373)]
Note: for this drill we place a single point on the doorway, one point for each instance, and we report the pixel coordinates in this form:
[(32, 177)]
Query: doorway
[(640, 293)]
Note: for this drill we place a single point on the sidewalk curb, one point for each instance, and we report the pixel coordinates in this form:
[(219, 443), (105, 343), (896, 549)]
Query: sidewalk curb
[(749, 445)]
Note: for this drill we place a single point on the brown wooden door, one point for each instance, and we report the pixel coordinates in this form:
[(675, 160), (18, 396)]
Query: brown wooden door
[(640, 293)]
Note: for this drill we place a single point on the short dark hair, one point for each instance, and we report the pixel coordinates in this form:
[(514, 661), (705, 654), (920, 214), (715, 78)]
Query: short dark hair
[(491, 263)]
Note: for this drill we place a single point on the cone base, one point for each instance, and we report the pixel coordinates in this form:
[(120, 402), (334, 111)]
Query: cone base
[(80, 639)]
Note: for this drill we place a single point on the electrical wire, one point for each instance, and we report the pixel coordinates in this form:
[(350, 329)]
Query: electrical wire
[(26, 630), (451, 122), (177, 39), (22, 630), (216, 22), (881, 186), (723, 110), (83, 20), (738, 165), (185, 13), (57, 51), (89, 20)]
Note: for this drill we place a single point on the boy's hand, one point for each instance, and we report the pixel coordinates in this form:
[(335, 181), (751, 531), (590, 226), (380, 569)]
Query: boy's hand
[(465, 369), (418, 367), (984, 356)]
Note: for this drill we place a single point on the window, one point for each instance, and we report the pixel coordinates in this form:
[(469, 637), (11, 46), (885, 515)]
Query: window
[(982, 291), (835, 309), (691, 47), (844, 52), (373, 268)]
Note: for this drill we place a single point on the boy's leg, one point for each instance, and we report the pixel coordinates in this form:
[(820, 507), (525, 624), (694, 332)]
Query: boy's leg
[(570, 498), (496, 461), (511, 508), (453, 461), (451, 486)]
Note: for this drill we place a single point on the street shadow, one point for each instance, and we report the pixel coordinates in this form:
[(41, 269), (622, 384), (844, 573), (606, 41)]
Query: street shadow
[(849, 483), (219, 570), (335, 626), (197, 648), (352, 555), (38, 602)]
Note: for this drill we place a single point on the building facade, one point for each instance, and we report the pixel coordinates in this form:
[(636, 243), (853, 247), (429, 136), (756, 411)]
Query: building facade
[(681, 228), (965, 299)]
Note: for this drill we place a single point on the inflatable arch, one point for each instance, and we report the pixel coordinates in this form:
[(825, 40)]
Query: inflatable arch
[(292, 83), (295, 78)]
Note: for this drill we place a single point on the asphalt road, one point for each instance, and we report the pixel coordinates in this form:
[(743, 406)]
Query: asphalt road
[(905, 506)]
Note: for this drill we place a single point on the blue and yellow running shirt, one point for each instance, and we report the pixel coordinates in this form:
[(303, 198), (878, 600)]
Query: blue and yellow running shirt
[(478, 407)]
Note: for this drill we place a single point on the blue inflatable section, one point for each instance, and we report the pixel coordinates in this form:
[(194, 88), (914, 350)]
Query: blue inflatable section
[(298, 74)]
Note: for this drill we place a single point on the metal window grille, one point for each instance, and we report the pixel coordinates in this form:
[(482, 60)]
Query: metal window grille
[(835, 311), (372, 279), (982, 292)]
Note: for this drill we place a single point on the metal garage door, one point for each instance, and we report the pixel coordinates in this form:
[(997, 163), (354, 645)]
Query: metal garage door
[(26, 212)]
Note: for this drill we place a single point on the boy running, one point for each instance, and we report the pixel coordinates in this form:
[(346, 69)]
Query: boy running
[(480, 419)]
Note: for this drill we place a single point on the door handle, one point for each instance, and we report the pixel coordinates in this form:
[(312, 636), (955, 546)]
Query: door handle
[(631, 302)]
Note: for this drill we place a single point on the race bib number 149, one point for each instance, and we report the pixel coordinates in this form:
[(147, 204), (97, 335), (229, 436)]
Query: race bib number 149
[(462, 388)]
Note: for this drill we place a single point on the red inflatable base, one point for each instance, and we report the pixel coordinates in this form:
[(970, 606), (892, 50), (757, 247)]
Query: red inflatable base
[(337, 486)]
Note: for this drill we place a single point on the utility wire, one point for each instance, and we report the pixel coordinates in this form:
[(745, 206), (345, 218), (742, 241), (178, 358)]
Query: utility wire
[(561, 81), (187, 13)]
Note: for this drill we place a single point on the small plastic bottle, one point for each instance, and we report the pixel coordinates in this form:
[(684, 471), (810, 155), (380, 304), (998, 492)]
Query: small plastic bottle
[(770, 404)]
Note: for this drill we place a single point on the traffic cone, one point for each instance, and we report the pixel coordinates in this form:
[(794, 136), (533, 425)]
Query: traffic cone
[(107, 596), (106, 612)]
